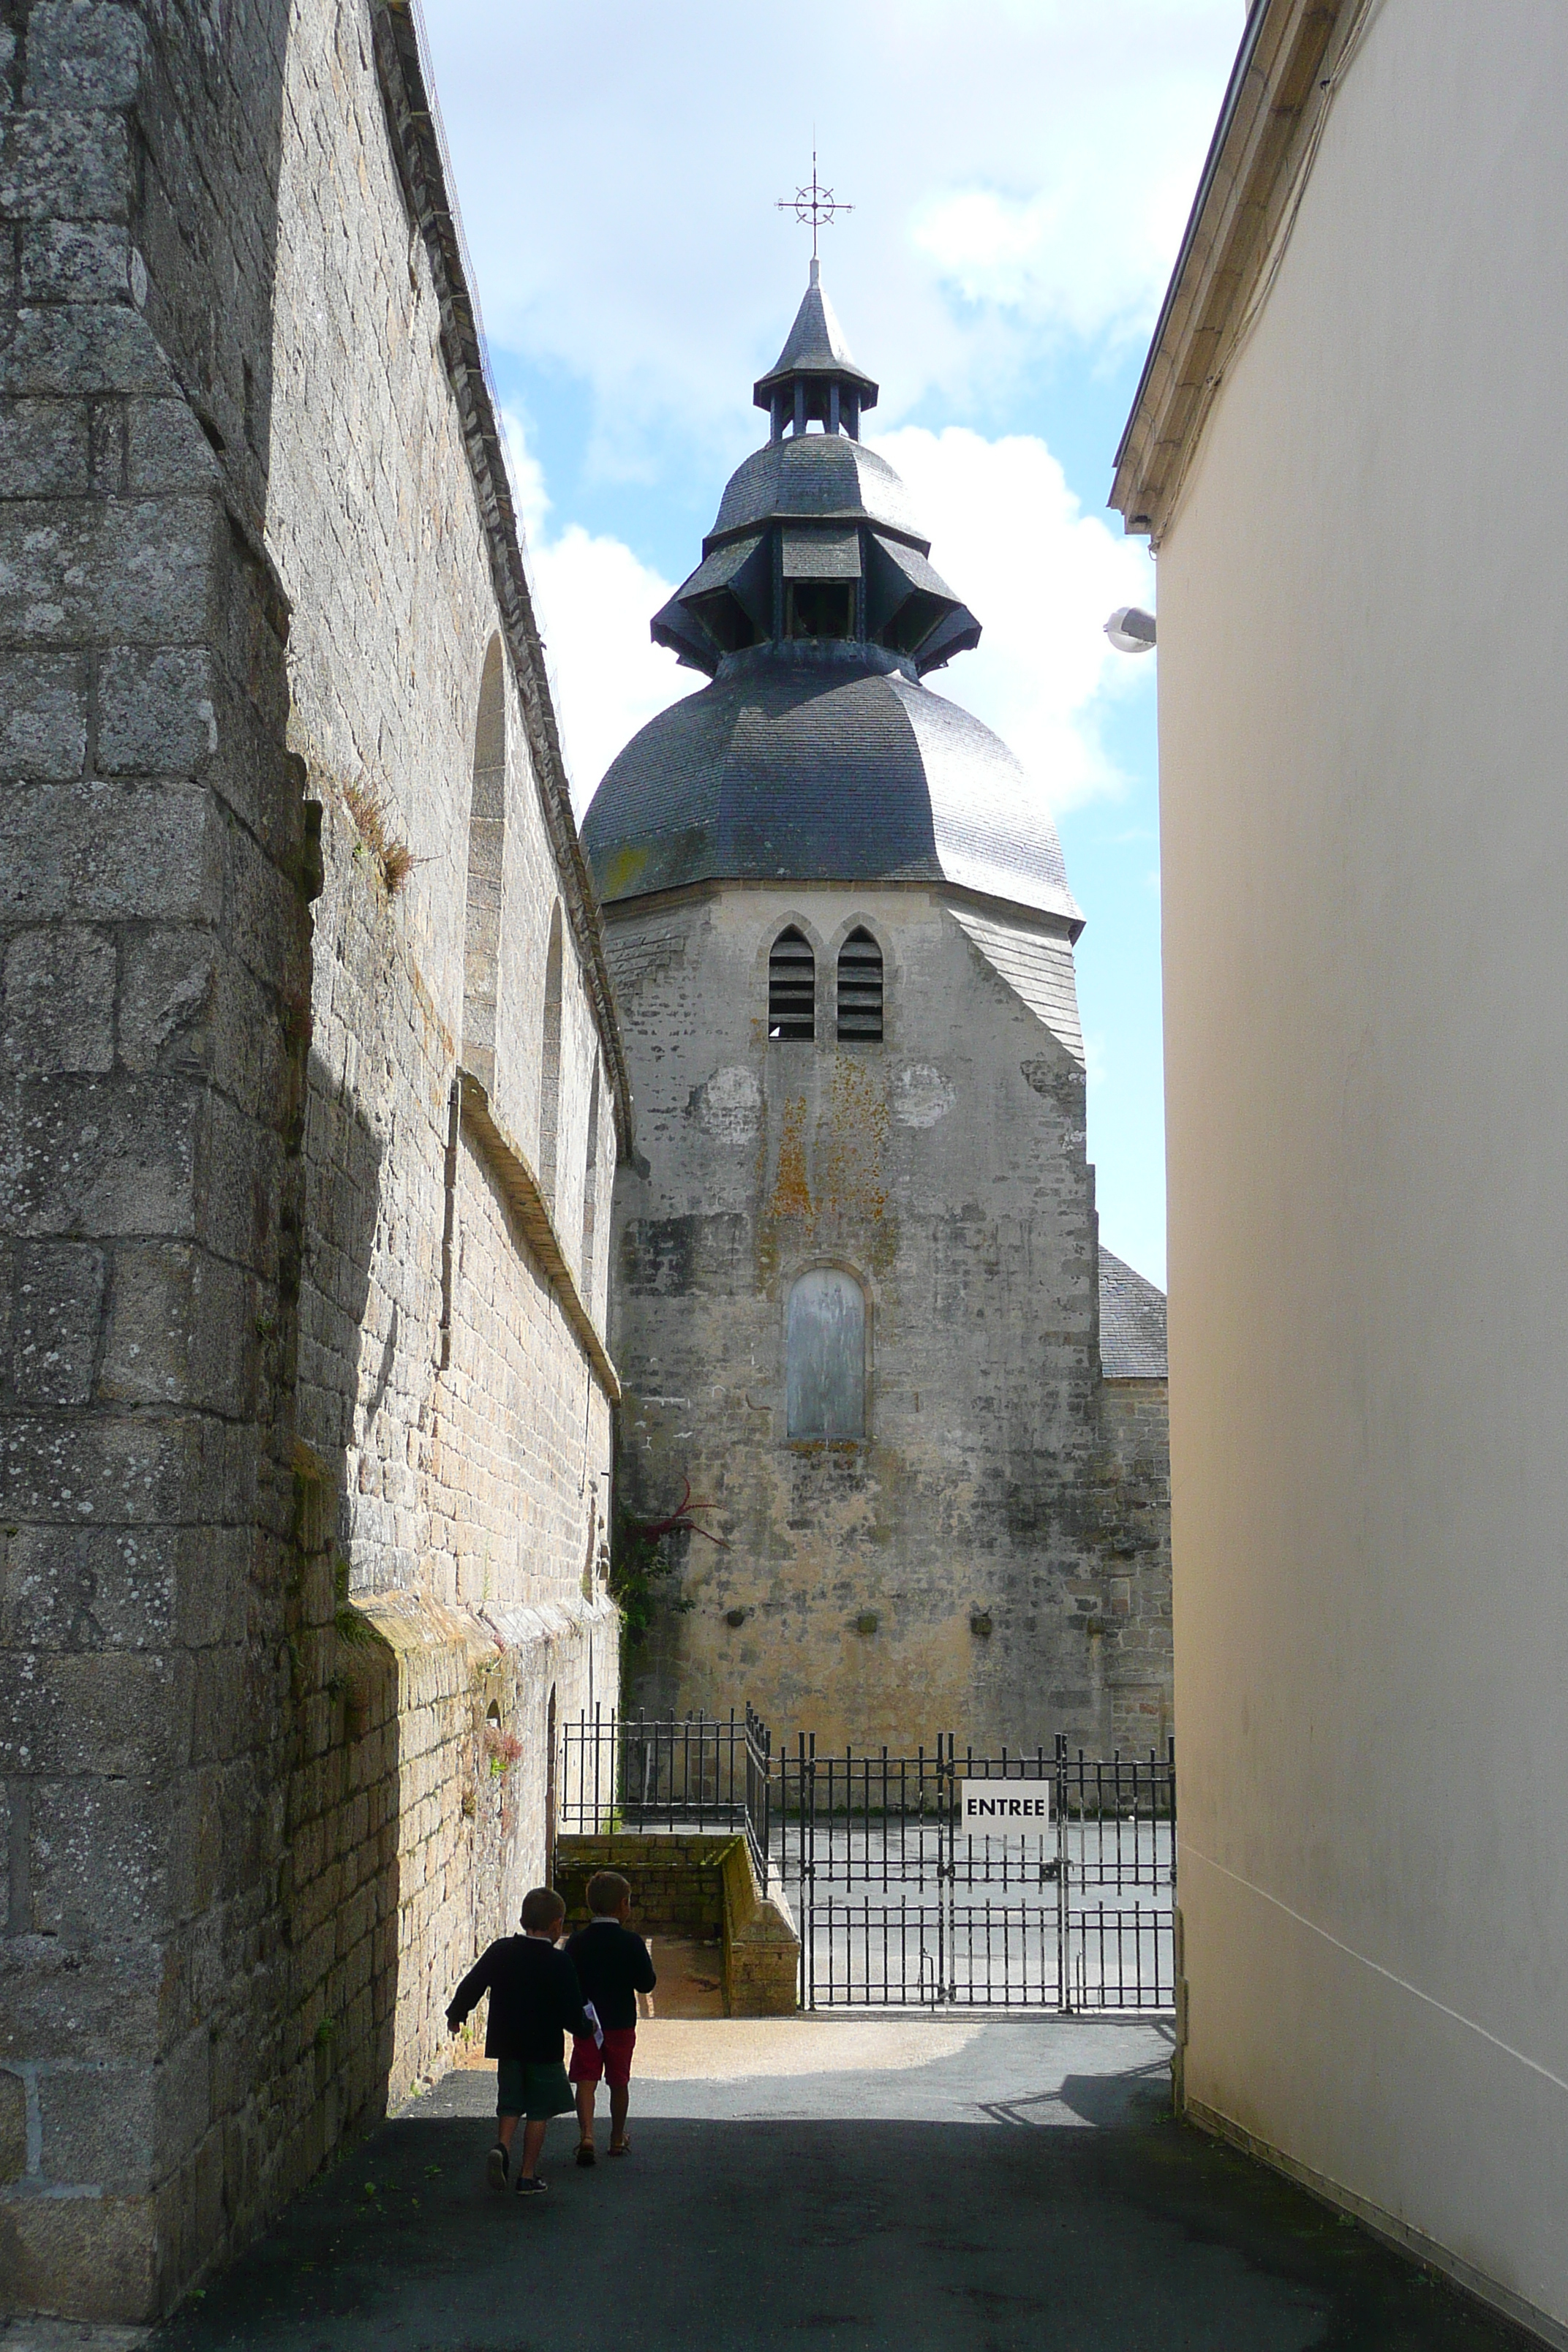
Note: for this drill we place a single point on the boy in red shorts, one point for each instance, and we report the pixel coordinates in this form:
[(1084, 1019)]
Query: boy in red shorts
[(613, 1967)]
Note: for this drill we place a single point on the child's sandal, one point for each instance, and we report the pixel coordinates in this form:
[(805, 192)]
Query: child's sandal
[(620, 2148)]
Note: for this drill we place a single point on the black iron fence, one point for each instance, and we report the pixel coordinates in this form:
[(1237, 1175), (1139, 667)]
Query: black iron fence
[(759, 1792), (1035, 1878), (693, 1774)]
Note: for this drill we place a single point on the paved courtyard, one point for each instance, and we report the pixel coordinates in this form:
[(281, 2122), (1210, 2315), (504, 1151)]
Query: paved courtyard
[(826, 2183)]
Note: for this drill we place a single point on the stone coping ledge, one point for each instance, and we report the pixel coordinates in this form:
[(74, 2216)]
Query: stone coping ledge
[(411, 1623), (516, 1623), (416, 147)]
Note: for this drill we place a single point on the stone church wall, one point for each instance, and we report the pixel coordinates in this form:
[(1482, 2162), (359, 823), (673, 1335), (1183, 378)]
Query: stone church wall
[(986, 1561), (1132, 1602), (306, 1421)]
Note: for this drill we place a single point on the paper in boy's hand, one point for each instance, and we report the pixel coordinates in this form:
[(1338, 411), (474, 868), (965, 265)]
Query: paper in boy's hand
[(592, 2014)]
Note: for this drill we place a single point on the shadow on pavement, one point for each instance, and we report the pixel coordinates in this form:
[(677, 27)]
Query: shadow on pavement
[(1107, 2101), (774, 2233)]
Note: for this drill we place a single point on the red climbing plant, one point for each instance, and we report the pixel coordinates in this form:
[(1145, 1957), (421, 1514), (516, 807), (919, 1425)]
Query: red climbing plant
[(636, 1562)]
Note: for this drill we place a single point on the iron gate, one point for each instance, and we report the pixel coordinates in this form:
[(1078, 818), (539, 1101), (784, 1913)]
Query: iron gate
[(898, 1904)]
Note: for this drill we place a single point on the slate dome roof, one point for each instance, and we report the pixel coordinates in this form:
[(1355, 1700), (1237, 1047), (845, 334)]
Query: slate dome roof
[(803, 762), (816, 753)]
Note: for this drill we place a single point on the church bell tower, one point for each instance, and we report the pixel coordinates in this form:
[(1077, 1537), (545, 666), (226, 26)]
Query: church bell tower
[(855, 1266)]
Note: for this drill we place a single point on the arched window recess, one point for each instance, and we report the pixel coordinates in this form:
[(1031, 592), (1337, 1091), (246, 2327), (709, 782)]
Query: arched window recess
[(550, 1064), (487, 850), (591, 1188)]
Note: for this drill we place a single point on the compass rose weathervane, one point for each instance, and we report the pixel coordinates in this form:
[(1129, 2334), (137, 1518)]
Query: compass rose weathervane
[(814, 205)]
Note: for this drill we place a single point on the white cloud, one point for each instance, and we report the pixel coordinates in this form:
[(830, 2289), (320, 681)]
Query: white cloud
[(1077, 256), (1009, 537), (1020, 171), (528, 495), (594, 600), (1007, 534)]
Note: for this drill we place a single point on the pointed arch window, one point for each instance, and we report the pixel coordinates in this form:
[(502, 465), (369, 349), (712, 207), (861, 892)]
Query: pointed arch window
[(792, 987), (859, 989)]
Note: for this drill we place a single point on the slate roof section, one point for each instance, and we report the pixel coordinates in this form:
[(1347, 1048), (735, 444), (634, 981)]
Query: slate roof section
[(816, 346), (1036, 966), (822, 474), (812, 497), (716, 571), (1132, 1324), (827, 551), (916, 568), (816, 762)]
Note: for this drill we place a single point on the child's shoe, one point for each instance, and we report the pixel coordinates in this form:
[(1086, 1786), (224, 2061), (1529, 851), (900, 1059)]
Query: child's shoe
[(534, 2187), (497, 2167), (586, 2156)]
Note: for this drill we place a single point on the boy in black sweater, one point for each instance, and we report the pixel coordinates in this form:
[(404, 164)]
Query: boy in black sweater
[(534, 1997), (613, 1967)]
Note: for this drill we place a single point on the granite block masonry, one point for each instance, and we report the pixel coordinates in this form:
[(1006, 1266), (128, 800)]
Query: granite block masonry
[(986, 1550), (312, 1099)]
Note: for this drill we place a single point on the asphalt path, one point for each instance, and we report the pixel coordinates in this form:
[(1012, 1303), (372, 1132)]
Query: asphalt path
[(819, 2184)]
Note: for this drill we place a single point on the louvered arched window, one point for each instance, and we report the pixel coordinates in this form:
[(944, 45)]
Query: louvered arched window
[(792, 987), (859, 989)]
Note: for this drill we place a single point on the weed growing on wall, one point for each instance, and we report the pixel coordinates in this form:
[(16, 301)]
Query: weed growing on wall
[(373, 825), (639, 1572), (503, 1748)]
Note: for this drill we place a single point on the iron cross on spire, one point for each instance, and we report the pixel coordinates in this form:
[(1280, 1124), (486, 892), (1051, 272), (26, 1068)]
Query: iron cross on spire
[(814, 203)]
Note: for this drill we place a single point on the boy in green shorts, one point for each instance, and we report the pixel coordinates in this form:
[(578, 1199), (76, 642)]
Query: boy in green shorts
[(535, 1998)]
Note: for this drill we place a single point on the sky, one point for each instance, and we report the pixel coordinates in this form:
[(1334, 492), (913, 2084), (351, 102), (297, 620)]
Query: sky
[(1020, 172)]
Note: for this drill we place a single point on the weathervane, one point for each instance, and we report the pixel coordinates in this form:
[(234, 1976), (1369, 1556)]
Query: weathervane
[(814, 205)]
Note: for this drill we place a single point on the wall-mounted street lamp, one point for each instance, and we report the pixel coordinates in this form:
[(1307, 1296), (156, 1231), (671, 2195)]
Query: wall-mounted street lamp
[(1131, 630)]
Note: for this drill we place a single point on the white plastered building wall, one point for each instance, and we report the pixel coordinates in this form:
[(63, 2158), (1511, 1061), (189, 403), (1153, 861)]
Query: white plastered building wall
[(1363, 710)]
